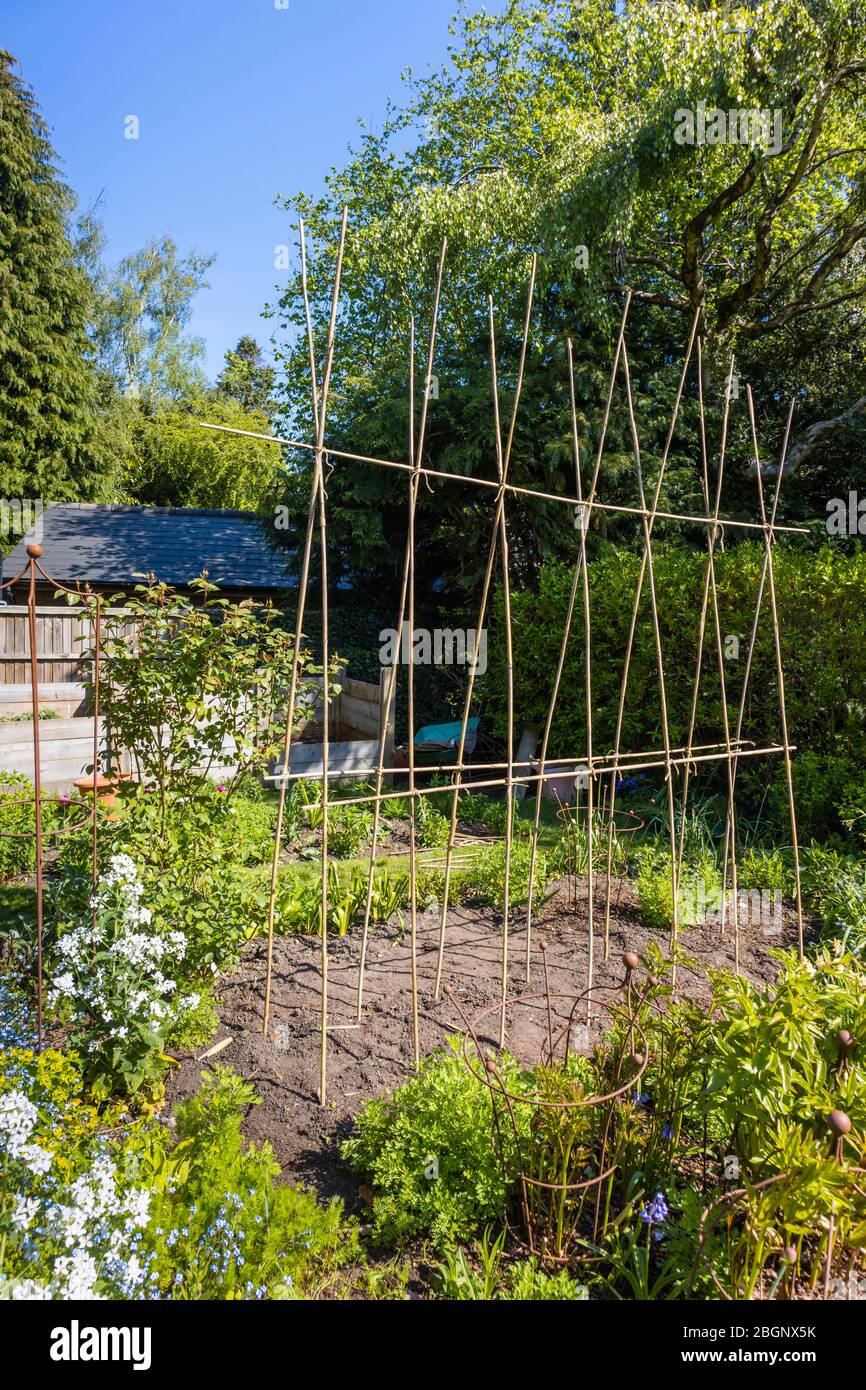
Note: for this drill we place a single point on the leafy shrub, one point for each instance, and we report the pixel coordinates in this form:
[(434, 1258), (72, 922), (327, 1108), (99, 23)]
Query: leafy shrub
[(525, 1282), (17, 856), (822, 610), (699, 891), (765, 869), (198, 675), (437, 1123), (834, 885), (432, 827), (195, 854), (348, 830), (475, 808), (221, 1227)]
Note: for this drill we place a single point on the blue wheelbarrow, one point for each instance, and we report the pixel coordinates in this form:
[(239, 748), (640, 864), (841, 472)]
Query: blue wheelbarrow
[(440, 743)]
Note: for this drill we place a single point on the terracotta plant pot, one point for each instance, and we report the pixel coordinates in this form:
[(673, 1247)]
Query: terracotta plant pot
[(106, 788)]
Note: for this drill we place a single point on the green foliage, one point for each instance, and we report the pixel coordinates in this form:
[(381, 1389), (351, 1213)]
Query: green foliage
[(198, 852), (115, 980), (52, 441), (822, 601), (765, 869), (16, 818), (429, 1153), (222, 1227), (348, 830), (299, 899), (526, 1282), (557, 131), (200, 683), (477, 809), (139, 313), (699, 892), (484, 880), (178, 464), (247, 379), (433, 829), (834, 885)]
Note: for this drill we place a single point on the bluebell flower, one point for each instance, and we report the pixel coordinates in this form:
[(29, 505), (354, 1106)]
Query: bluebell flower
[(656, 1211)]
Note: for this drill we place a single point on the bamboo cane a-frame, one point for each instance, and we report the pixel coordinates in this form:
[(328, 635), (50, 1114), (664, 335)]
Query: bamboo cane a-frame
[(676, 762)]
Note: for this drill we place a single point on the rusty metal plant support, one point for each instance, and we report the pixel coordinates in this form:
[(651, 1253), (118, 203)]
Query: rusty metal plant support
[(788, 1259), (557, 1216), (40, 832)]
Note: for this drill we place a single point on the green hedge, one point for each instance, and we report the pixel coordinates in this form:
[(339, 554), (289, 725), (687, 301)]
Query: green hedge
[(822, 611)]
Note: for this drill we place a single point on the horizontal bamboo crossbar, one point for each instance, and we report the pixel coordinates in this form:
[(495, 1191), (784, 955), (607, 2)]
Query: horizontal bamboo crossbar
[(717, 523), (600, 768)]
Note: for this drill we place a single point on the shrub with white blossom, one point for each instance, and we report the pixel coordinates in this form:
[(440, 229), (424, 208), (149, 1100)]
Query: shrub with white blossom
[(115, 974), (62, 1238)]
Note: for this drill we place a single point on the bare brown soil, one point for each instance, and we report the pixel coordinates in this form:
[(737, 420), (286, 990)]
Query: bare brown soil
[(366, 1060)]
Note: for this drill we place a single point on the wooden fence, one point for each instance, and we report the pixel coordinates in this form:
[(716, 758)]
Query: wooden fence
[(64, 650), (64, 639)]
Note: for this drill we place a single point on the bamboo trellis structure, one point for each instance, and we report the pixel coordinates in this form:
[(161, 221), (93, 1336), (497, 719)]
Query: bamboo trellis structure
[(506, 773)]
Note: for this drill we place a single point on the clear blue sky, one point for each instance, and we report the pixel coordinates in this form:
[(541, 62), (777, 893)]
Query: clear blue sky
[(237, 101)]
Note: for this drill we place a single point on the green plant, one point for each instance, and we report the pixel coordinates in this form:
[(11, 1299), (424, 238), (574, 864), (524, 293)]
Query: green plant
[(196, 852), (475, 808), (699, 891), (432, 827), (221, 1226), (525, 1282), (110, 981), (456, 1279), (765, 869), (200, 683), (484, 879), (348, 829), (429, 1153), (17, 826)]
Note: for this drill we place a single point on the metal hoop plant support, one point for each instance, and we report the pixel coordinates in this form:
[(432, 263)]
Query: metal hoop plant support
[(41, 832), (630, 824), (789, 1258), (554, 1211)]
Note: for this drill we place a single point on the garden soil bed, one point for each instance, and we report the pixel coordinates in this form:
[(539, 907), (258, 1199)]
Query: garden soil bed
[(368, 1060)]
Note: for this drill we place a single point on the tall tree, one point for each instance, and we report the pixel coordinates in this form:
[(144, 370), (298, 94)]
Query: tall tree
[(177, 463), (143, 308), (247, 378), (707, 156), (54, 443)]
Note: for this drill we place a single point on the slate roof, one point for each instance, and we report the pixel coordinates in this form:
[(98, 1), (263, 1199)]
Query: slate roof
[(115, 545)]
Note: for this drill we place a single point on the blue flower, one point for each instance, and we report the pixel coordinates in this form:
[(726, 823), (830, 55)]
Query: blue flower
[(656, 1211)]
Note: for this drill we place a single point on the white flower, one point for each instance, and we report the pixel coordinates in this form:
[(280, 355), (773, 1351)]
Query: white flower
[(27, 1289), (25, 1210), (136, 1206), (76, 1276), (17, 1117), (37, 1159)]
